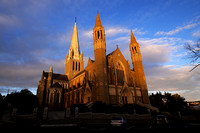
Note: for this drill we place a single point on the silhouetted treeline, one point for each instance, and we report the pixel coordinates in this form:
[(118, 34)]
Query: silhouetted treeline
[(168, 102), (24, 101)]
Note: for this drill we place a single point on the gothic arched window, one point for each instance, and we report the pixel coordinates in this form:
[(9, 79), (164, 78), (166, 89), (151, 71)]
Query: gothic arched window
[(51, 98), (98, 34), (120, 73), (57, 98), (73, 65), (76, 66)]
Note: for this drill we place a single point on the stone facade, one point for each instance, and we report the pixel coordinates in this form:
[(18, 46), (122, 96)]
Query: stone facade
[(108, 78)]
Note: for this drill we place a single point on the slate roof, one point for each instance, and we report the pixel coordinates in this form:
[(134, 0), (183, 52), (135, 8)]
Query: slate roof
[(56, 76)]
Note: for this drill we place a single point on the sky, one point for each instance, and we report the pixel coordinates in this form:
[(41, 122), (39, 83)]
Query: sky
[(37, 33)]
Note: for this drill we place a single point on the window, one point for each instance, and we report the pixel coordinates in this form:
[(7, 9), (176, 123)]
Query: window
[(89, 99), (124, 99), (135, 50), (120, 76), (101, 35), (79, 66), (77, 99), (57, 98), (73, 65), (76, 66), (51, 98), (120, 73), (98, 34), (111, 75)]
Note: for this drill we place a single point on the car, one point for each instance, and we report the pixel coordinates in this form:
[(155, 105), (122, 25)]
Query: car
[(117, 121), (161, 120)]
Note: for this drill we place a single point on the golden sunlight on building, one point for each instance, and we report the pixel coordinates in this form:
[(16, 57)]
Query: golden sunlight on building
[(107, 78)]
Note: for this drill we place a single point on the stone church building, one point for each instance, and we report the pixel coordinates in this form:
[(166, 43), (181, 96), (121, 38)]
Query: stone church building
[(108, 78)]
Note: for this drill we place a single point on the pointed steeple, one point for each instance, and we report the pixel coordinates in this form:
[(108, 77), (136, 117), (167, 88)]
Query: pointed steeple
[(140, 80), (98, 21), (74, 43), (50, 73), (133, 40), (74, 59), (51, 69)]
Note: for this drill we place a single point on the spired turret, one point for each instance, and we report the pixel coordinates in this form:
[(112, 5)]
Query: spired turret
[(99, 35), (138, 68), (101, 90), (74, 60)]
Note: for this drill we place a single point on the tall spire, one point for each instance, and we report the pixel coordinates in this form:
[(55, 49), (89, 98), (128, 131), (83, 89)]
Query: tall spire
[(74, 59), (74, 43), (51, 68), (133, 40), (98, 21)]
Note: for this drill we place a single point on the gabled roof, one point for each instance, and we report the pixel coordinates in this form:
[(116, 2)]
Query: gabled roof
[(79, 74), (90, 62), (56, 76), (56, 85), (113, 52), (60, 76)]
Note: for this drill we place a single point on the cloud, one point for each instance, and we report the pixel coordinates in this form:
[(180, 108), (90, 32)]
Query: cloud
[(9, 20), (176, 30), (87, 33), (27, 75), (19, 76), (196, 33), (156, 53), (160, 75), (172, 79), (160, 50), (111, 31)]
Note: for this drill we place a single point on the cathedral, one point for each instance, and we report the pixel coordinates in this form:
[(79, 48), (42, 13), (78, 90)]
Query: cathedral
[(108, 78)]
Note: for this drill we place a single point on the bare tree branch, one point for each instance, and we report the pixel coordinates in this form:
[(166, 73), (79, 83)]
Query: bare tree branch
[(194, 67), (193, 53)]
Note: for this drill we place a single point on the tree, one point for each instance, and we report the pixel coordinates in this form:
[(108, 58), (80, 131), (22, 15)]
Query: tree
[(193, 53), (24, 101), (168, 102), (157, 100), (175, 102), (1, 104)]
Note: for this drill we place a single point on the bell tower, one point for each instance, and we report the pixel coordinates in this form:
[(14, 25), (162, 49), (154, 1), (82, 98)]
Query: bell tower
[(101, 89), (138, 68), (74, 59)]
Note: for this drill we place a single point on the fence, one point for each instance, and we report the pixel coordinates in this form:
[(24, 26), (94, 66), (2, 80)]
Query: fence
[(90, 115)]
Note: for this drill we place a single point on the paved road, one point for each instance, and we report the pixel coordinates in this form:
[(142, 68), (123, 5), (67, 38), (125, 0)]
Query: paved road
[(56, 115)]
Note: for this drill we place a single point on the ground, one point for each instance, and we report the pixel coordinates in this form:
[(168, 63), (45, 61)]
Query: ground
[(56, 121)]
